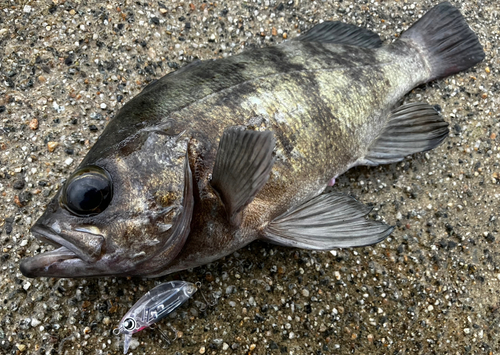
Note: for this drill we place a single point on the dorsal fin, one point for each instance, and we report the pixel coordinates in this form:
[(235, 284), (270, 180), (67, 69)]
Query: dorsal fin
[(341, 33)]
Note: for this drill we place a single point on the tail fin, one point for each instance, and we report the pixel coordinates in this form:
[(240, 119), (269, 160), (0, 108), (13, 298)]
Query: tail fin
[(445, 39)]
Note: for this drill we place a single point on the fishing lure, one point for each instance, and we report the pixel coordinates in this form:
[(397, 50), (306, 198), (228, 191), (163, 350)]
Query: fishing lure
[(156, 304)]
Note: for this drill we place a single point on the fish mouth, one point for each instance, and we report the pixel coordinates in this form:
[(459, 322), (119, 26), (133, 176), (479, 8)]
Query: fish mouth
[(76, 251), (82, 244)]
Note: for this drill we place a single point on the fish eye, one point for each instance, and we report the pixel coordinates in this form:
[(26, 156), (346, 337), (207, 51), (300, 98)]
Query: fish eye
[(129, 324), (88, 191)]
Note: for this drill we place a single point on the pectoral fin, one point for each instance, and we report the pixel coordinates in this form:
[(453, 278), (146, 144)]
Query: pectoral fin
[(326, 222), (242, 166), (412, 128)]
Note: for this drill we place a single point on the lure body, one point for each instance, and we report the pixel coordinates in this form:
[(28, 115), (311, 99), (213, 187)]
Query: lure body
[(155, 305)]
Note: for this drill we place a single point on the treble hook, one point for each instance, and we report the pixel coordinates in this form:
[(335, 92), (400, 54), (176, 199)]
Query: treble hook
[(198, 285), (164, 336)]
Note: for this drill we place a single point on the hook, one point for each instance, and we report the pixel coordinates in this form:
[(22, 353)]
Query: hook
[(164, 336), (198, 285)]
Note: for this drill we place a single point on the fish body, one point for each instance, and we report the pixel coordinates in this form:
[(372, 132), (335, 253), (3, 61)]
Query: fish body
[(221, 153)]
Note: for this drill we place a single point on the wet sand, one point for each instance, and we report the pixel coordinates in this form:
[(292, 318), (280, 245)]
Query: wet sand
[(432, 287)]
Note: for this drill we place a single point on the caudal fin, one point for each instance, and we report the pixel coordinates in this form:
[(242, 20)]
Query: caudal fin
[(447, 42)]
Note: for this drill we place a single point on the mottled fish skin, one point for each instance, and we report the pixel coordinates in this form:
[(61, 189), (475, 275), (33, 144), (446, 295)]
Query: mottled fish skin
[(324, 102), (321, 129)]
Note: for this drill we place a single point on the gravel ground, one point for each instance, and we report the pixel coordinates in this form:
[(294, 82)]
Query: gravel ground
[(66, 67)]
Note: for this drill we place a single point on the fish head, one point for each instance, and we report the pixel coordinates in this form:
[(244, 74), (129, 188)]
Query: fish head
[(125, 213)]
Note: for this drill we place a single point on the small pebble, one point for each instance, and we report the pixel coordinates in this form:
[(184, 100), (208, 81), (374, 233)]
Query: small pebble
[(202, 350), (68, 161), (21, 347), (134, 343), (51, 146), (106, 321), (305, 292), (18, 185), (225, 346), (34, 124), (35, 322)]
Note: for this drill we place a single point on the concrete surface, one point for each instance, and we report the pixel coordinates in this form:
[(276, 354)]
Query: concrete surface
[(431, 288)]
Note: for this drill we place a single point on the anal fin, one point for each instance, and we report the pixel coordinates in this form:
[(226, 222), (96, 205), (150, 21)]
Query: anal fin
[(242, 167), (412, 128), (327, 221)]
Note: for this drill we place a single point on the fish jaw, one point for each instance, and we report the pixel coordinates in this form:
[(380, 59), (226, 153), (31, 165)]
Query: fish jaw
[(77, 254), (60, 262), (87, 246), (79, 251)]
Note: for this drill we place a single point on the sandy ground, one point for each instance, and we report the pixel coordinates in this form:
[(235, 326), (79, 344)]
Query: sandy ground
[(66, 67)]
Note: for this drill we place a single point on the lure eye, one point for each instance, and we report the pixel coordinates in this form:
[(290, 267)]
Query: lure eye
[(88, 191), (129, 324)]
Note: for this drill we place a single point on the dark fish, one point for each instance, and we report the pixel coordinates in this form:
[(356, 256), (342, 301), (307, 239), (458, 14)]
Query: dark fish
[(221, 153)]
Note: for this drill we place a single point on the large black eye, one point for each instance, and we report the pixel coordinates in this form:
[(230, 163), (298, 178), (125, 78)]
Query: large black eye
[(88, 191)]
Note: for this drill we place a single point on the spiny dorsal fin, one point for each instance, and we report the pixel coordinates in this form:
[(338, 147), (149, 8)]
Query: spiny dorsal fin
[(341, 33), (412, 128), (328, 221), (242, 166)]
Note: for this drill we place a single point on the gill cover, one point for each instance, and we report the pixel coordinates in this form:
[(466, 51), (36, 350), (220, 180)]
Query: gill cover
[(174, 244)]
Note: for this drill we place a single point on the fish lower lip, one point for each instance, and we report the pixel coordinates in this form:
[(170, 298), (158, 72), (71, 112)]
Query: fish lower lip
[(31, 267)]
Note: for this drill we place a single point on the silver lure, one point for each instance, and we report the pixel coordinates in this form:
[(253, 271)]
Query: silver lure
[(156, 304)]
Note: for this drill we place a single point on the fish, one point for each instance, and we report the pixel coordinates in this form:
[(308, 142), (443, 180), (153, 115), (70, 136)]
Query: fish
[(224, 152)]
